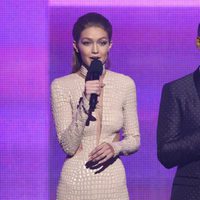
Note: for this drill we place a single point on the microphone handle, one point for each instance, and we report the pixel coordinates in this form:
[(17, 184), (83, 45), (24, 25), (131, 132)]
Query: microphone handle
[(93, 97), (93, 101)]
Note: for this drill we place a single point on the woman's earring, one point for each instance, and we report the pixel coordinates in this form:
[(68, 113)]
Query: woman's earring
[(198, 42), (198, 38)]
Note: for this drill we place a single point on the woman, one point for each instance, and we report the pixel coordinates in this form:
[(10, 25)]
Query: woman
[(94, 170)]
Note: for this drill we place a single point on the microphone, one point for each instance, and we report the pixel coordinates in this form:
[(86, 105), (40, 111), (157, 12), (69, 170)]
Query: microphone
[(94, 72)]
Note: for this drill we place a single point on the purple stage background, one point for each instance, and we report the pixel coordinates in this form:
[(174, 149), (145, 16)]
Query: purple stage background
[(24, 100), (152, 44)]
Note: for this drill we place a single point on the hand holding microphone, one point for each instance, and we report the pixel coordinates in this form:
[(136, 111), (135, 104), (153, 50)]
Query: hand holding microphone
[(93, 87)]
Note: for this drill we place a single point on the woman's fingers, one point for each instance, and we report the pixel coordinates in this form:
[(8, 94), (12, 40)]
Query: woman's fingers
[(102, 153), (110, 155), (97, 151), (92, 87)]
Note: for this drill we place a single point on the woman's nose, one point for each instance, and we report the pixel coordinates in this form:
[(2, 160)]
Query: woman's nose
[(95, 49)]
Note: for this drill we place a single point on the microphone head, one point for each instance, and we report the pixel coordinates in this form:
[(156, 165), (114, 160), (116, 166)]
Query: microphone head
[(95, 70), (96, 66)]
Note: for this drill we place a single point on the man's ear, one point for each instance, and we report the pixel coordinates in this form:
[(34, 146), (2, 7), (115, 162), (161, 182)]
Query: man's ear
[(75, 46)]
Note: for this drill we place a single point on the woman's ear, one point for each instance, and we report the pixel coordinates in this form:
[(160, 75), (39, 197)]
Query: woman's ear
[(198, 42), (110, 45), (75, 46)]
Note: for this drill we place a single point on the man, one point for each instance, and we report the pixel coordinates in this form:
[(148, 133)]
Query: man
[(178, 133)]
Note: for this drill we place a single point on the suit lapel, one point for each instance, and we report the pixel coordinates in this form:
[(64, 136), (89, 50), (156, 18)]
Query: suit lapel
[(196, 77)]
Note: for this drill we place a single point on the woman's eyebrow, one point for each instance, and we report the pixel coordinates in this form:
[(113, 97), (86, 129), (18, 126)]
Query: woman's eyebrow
[(87, 38)]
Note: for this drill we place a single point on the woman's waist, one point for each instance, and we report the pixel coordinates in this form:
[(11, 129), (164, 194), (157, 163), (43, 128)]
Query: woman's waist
[(94, 140), (80, 160), (89, 143)]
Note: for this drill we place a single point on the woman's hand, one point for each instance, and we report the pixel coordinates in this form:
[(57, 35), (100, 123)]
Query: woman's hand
[(92, 87), (101, 153)]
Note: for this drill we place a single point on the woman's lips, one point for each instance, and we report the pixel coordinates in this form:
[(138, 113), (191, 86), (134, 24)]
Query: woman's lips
[(93, 58)]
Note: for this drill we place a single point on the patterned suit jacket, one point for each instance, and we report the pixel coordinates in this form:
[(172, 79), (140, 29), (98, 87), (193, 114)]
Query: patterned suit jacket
[(178, 134)]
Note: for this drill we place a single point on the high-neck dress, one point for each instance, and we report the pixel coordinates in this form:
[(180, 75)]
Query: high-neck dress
[(116, 110)]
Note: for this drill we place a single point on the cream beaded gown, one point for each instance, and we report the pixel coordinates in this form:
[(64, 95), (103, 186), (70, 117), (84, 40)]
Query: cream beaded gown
[(116, 109)]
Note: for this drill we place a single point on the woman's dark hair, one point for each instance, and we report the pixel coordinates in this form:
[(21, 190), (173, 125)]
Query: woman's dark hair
[(83, 22)]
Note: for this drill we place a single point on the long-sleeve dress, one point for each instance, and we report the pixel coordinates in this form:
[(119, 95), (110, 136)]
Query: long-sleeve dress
[(117, 109)]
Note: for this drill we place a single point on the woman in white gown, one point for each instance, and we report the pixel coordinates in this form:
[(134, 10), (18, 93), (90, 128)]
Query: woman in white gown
[(94, 170)]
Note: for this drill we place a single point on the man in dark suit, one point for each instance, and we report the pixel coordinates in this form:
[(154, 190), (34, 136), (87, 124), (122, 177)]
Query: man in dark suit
[(178, 134)]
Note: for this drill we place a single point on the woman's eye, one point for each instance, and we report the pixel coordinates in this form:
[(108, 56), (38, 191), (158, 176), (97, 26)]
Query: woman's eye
[(86, 43), (103, 43)]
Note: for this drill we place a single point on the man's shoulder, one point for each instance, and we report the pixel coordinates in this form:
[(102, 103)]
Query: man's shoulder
[(181, 83)]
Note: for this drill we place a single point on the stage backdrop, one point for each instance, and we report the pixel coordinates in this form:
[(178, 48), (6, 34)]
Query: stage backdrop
[(24, 100), (153, 42)]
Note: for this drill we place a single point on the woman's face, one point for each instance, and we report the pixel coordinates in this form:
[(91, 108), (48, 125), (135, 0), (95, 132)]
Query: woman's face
[(93, 43)]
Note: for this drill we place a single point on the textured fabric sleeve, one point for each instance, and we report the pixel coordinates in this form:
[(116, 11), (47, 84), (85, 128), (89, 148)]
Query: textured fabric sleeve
[(173, 147), (69, 126), (131, 136)]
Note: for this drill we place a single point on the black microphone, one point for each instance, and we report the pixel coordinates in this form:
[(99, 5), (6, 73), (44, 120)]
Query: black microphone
[(94, 72)]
